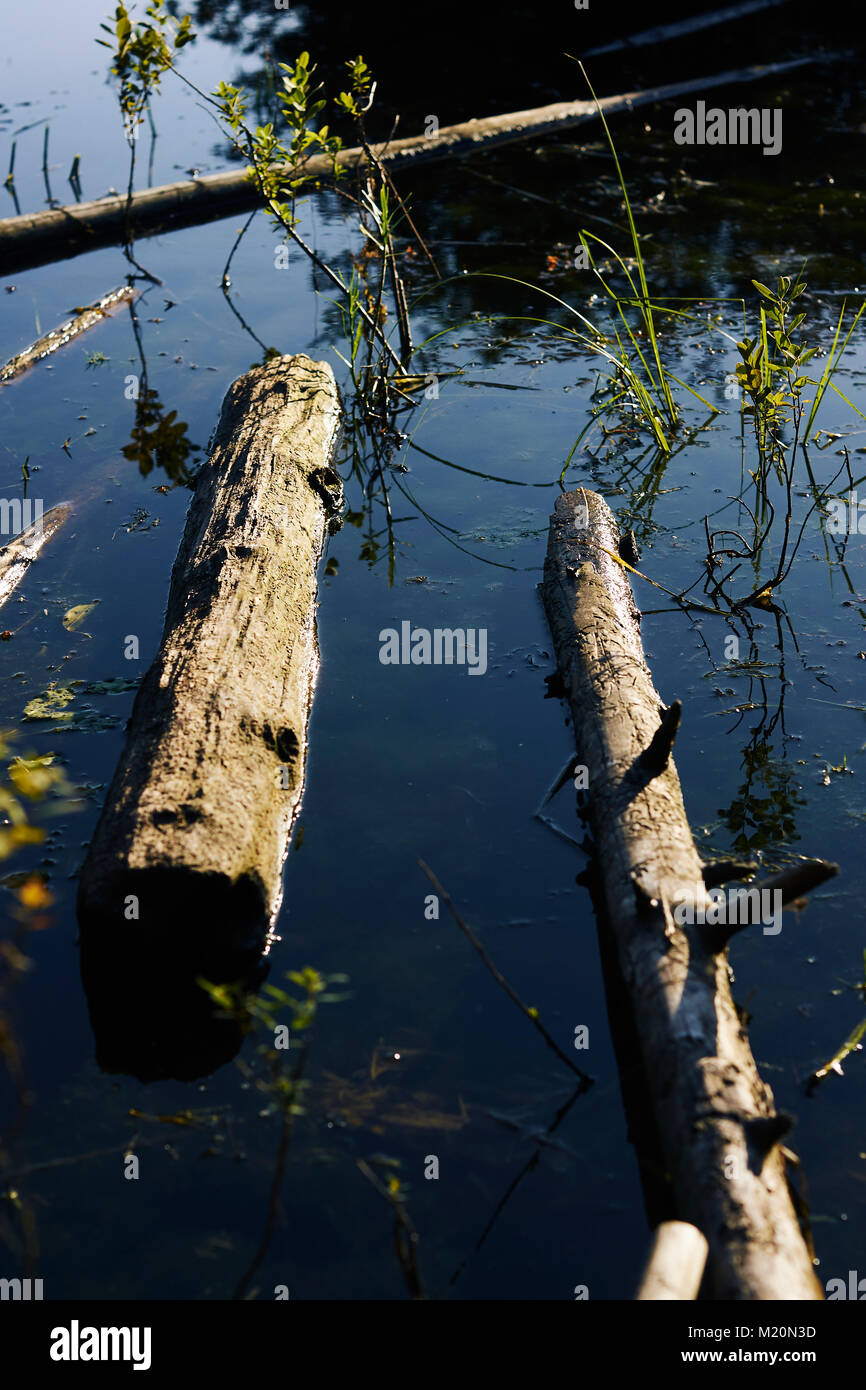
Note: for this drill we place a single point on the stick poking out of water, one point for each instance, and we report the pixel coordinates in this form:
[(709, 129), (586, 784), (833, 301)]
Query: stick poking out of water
[(17, 557), (82, 319)]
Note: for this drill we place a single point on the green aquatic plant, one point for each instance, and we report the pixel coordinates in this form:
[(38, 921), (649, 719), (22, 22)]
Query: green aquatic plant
[(142, 52), (774, 379)]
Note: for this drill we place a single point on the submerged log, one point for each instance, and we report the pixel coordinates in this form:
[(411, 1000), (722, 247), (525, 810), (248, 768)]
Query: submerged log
[(716, 1118), (38, 238), (662, 33), (83, 318), (190, 844), (18, 555)]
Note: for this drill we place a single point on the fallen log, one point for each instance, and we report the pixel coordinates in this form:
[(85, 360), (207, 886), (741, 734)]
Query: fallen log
[(716, 1118), (38, 238), (82, 319), (680, 28), (676, 1263), (17, 557), (194, 830)]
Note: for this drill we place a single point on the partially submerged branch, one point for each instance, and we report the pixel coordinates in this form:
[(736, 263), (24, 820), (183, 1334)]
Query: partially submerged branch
[(49, 343), (40, 238), (716, 1118)]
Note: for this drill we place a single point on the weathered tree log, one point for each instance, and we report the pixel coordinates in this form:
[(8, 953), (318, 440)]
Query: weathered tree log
[(37, 238), (716, 1118), (676, 1263), (18, 555), (194, 830), (82, 319), (661, 33)]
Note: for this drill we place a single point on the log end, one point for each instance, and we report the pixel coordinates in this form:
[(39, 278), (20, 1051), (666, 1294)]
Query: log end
[(148, 938)]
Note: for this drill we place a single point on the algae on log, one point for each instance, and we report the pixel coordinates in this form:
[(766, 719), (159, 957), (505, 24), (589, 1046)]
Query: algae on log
[(193, 834), (717, 1121)]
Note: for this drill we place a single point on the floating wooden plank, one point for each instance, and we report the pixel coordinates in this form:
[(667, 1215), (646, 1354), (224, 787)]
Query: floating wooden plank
[(190, 844), (676, 1263), (17, 557), (716, 1118), (58, 337), (38, 238)]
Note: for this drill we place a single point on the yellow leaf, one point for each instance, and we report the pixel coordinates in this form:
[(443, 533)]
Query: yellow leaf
[(33, 776), (34, 894), (74, 617)]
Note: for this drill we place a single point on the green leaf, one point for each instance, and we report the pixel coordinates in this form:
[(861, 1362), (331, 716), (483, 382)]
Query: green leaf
[(50, 704)]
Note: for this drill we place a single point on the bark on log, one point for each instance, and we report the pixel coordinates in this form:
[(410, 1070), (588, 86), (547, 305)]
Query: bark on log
[(716, 1118), (196, 822), (34, 239), (676, 1263)]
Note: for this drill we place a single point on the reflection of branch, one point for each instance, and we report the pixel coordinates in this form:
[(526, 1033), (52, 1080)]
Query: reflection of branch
[(476, 473), (405, 1235), (225, 283), (531, 1163), (532, 1014), (441, 528), (288, 1101), (157, 437), (130, 1146)]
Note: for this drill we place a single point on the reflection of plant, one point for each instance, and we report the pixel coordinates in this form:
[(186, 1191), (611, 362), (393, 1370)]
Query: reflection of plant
[(158, 439), (756, 821), (283, 1085), (404, 1235), (34, 779)]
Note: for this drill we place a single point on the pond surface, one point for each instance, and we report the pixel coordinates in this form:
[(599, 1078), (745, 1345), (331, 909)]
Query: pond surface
[(425, 1055)]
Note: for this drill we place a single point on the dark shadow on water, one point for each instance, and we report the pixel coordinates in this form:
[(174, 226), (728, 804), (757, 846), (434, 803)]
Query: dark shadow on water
[(150, 1016)]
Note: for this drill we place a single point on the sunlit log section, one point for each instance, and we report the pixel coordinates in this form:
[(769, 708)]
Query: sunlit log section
[(38, 238), (195, 826), (717, 1120)]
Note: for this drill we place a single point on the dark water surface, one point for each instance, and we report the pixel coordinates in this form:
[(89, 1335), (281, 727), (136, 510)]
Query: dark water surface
[(427, 1056)]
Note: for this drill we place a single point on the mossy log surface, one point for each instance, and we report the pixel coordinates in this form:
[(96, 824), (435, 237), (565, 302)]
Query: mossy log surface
[(717, 1120), (197, 820)]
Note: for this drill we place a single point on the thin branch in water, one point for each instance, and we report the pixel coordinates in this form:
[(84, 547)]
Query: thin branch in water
[(286, 1130), (531, 1163), (405, 1235), (531, 1014)]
